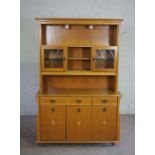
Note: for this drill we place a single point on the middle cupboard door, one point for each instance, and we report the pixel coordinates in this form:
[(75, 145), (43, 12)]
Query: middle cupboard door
[(78, 123)]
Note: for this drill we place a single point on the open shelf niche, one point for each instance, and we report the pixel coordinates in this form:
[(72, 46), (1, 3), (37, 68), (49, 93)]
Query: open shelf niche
[(79, 35), (79, 59)]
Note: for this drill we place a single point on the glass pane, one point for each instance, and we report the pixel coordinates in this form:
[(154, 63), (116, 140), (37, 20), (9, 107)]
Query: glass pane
[(53, 58), (104, 59)]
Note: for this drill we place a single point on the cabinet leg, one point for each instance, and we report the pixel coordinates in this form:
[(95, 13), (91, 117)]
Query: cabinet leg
[(112, 144)]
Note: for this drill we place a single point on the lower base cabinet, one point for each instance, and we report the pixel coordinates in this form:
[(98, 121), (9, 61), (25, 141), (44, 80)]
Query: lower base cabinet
[(94, 122), (104, 123), (78, 123), (52, 122)]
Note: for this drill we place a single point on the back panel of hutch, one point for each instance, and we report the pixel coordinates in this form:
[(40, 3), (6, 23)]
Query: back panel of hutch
[(78, 100)]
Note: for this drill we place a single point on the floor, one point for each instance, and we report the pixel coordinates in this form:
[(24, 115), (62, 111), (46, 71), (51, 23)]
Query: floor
[(125, 147)]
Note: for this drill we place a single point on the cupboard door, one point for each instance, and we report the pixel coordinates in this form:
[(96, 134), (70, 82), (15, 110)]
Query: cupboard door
[(52, 122), (78, 123), (53, 58), (104, 59), (104, 122)]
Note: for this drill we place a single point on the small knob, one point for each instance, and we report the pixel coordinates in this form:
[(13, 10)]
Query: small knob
[(78, 110), (104, 122), (104, 109), (78, 123), (52, 109), (53, 123)]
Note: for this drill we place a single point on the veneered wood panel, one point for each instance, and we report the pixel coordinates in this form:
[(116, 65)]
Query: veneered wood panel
[(66, 100), (78, 123), (104, 122), (52, 122), (104, 100), (79, 35), (79, 82)]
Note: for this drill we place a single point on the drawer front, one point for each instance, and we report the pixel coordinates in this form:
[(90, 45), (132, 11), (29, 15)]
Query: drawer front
[(104, 100), (78, 123), (66, 100), (54, 100), (80, 101), (104, 122), (52, 122)]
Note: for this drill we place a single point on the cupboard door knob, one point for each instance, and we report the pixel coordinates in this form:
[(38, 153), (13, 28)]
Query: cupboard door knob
[(52, 109), (104, 101), (78, 101), (78, 110), (64, 58), (53, 122), (78, 123), (104, 122), (104, 109), (52, 101)]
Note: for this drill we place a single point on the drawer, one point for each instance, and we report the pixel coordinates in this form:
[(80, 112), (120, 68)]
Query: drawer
[(104, 100), (54, 100), (66, 100), (80, 101)]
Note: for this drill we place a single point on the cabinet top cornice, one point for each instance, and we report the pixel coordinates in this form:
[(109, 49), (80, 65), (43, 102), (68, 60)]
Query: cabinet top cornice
[(79, 21)]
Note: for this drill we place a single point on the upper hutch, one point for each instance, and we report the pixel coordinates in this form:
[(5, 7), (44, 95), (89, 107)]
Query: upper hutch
[(78, 100)]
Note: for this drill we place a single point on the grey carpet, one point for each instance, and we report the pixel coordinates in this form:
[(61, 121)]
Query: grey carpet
[(125, 147)]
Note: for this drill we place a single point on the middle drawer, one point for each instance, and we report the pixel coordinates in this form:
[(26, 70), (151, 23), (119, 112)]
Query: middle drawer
[(66, 100)]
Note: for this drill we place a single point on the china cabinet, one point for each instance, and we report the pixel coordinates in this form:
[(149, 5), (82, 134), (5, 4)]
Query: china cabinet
[(78, 98)]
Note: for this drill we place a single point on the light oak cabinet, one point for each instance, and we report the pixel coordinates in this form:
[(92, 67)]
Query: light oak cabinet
[(78, 98)]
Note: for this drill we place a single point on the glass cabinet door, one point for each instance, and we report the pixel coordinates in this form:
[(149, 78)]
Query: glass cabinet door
[(53, 59), (104, 59)]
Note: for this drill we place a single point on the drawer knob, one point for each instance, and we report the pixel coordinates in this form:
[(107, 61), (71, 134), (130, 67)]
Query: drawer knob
[(78, 110), (104, 109), (52, 109), (52, 101), (78, 101), (104, 101)]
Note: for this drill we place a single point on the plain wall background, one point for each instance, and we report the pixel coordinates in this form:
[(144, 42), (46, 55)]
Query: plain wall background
[(76, 9)]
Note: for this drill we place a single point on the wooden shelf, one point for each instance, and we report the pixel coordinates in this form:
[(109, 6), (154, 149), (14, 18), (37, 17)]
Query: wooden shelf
[(79, 58), (82, 73), (79, 92)]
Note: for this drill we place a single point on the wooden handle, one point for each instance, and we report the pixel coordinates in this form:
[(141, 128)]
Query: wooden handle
[(78, 101), (104, 101), (52, 101)]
